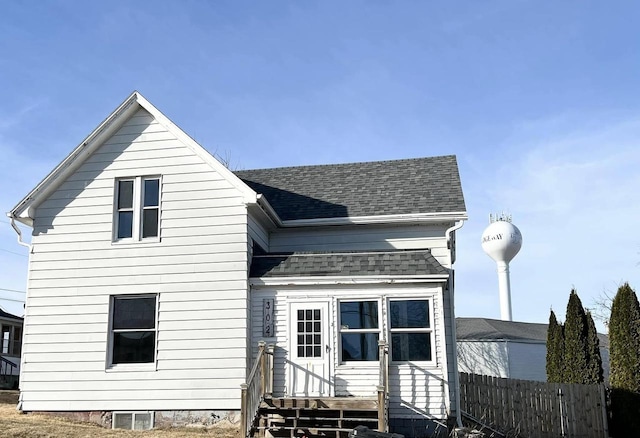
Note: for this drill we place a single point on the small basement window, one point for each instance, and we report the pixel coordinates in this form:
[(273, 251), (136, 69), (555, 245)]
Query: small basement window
[(133, 420)]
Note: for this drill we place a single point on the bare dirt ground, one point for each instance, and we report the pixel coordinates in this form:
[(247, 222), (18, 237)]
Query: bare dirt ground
[(15, 424)]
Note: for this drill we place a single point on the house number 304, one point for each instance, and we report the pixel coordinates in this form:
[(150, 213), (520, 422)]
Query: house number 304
[(267, 324)]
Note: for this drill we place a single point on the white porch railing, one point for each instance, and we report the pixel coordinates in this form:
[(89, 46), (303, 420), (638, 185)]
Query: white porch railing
[(259, 386)]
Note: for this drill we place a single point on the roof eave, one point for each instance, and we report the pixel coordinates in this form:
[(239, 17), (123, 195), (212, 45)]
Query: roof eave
[(379, 219), (347, 280), (24, 210)]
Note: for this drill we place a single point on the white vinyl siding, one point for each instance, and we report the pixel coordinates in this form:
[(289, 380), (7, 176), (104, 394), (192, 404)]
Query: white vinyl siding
[(361, 237), (198, 271), (416, 389)]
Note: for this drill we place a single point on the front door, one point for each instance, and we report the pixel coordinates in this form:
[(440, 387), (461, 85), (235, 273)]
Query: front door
[(310, 351)]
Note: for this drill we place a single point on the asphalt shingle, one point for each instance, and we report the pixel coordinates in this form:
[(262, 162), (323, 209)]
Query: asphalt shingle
[(419, 185), (353, 263)]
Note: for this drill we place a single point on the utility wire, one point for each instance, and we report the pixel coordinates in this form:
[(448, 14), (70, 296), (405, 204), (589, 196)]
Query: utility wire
[(13, 290), (11, 252), (10, 299)]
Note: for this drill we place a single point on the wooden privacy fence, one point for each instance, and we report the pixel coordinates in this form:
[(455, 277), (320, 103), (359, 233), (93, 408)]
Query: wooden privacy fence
[(524, 408)]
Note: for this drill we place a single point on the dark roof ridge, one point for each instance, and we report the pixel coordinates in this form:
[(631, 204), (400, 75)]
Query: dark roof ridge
[(398, 160)]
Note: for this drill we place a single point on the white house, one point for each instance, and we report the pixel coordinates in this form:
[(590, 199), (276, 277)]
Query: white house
[(510, 349), (10, 349), (155, 273)]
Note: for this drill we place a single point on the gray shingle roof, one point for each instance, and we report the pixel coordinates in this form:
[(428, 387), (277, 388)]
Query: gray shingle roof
[(495, 329), (420, 185), (352, 263)]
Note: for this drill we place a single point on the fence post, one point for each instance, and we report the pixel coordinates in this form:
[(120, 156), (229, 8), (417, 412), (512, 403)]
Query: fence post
[(603, 404)]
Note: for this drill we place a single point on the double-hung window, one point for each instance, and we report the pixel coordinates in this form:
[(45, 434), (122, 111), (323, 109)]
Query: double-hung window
[(359, 330), (133, 329), (137, 208), (410, 330)]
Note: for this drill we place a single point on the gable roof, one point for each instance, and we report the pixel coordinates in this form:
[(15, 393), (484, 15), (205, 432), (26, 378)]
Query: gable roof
[(22, 211), (347, 263), (426, 186), (485, 329)]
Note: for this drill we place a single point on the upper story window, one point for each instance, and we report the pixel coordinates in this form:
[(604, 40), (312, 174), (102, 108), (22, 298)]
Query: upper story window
[(359, 330), (137, 209), (410, 330)]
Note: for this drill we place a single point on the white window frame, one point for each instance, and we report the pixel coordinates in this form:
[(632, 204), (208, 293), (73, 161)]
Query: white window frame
[(133, 419), (342, 329), (146, 366), (137, 209), (430, 330)]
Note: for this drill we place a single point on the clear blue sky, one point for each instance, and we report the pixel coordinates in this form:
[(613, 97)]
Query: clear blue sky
[(539, 101)]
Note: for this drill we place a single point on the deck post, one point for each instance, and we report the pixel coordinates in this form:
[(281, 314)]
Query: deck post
[(382, 426), (383, 387), (243, 410), (263, 366), (268, 393)]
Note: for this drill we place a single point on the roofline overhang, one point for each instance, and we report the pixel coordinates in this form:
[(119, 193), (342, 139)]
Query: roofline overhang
[(347, 281), (377, 219), (24, 213)]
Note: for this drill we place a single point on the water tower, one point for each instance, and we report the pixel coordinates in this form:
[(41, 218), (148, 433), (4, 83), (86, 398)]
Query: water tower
[(501, 241)]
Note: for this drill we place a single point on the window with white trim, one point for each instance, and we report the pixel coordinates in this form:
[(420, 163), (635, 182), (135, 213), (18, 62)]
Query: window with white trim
[(137, 209), (410, 330), (359, 331), (133, 329)]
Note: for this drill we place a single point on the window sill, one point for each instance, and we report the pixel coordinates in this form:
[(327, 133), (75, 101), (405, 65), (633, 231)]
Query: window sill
[(131, 367), (360, 364), (128, 242)]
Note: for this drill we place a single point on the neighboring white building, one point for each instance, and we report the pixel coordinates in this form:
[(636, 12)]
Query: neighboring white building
[(10, 349), (509, 349), (155, 271)]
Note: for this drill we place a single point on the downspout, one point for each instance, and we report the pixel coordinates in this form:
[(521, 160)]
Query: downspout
[(18, 232), (22, 243), (456, 375)]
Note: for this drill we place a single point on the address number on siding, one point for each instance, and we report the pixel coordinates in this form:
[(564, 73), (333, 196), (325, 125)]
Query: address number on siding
[(267, 324)]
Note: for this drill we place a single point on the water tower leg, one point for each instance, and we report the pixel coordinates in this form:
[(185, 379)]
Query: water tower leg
[(505, 291)]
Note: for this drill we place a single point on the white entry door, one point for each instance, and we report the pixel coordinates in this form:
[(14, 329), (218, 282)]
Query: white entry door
[(310, 349)]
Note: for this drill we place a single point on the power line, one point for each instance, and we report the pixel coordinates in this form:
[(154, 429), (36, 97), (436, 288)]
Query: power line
[(11, 252), (11, 299), (13, 290)]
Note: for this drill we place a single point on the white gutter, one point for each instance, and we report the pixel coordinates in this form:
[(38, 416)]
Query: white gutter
[(456, 375), (382, 219), (361, 280)]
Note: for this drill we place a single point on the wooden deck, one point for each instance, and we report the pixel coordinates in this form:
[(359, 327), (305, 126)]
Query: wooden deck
[(315, 417)]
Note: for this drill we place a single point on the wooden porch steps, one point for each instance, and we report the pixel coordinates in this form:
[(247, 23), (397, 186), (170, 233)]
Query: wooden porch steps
[(320, 417)]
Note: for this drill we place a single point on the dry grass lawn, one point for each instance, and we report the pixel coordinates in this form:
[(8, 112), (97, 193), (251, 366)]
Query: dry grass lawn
[(16, 424)]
